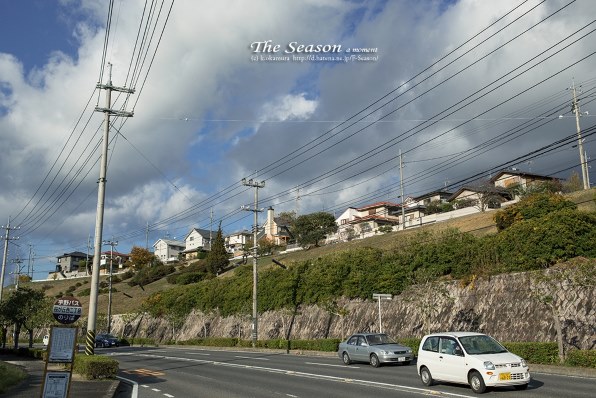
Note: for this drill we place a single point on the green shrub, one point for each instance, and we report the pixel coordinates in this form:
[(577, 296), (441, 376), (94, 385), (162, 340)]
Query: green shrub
[(150, 274), (85, 292), (116, 279), (128, 274), (412, 342), (532, 206), (95, 366), (582, 358), (533, 352)]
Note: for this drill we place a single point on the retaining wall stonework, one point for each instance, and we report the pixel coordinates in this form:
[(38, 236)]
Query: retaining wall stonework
[(501, 306)]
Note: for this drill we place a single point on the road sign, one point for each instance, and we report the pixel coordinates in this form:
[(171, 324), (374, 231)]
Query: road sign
[(67, 310)]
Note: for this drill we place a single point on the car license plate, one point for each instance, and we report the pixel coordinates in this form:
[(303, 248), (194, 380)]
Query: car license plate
[(401, 359), (505, 376)]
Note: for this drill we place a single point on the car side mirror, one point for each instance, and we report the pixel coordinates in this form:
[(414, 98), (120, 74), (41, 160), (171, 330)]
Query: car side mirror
[(457, 351)]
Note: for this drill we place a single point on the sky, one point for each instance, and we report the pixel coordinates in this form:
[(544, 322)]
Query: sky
[(316, 98)]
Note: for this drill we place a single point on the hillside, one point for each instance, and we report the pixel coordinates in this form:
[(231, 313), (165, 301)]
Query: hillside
[(127, 299)]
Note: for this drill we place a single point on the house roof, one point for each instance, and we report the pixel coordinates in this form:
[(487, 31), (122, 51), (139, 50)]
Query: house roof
[(75, 254), (431, 194), (115, 253), (205, 233), (243, 232), (521, 174), (480, 188), (378, 204), (171, 242)]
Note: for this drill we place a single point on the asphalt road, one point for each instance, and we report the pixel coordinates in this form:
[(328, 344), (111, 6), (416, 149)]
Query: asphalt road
[(198, 372)]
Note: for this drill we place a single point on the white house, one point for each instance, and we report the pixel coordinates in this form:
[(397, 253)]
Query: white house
[(513, 177), (197, 240), (168, 250), (235, 241), (364, 221)]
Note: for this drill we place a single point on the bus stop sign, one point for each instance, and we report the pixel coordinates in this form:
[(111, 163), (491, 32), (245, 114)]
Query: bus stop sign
[(67, 310)]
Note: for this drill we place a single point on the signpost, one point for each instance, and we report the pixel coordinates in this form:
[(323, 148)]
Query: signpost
[(380, 297), (67, 310), (61, 348)]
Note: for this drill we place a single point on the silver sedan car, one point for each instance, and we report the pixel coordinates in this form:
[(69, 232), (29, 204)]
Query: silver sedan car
[(374, 348)]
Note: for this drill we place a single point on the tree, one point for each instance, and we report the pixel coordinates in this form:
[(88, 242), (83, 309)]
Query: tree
[(437, 206), (20, 306), (573, 183), (142, 257), (312, 228), (547, 285), (218, 259), (266, 246), (532, 206), (287, 218)]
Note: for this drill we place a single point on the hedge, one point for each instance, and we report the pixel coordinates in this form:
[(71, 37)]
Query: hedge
[(95, 366), (581, 358), (539, 353)]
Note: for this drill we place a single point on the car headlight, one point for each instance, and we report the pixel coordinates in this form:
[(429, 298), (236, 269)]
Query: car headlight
[(488, 365), (409, 351), (523, 363), (383, 352)]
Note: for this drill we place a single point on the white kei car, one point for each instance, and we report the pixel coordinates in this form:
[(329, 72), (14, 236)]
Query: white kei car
[(470, 358)]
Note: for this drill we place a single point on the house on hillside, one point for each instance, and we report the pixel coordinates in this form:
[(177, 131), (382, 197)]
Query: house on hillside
[(364, 221), (167, 250), (197, 240), (275, 229), (69, 262), (118, 259), (426, 199), (236, 241), (483, 197), (513, 177)]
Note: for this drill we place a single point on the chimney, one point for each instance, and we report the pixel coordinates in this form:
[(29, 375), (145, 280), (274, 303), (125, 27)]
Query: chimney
[(270, 214)]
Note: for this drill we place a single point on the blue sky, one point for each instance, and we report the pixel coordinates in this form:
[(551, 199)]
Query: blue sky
[(206, 115)]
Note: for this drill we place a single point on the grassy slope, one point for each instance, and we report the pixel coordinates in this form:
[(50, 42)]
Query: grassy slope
[(481, 223)]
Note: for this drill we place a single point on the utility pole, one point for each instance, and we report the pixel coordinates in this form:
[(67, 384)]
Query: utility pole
[(5, 256), (211, 229), (30, 262), (112, 244), (401, 187), (17, 272), (580, 144), (101, 193), (297, 202), (255, 228)]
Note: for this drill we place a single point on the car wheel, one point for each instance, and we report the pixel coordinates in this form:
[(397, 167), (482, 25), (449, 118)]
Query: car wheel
[(477, 382), (346, 358), (521, 387), (374, 360), (426, 377)]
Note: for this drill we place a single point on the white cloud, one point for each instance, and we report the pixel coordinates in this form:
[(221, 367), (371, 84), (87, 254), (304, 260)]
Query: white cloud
[(203, 73)]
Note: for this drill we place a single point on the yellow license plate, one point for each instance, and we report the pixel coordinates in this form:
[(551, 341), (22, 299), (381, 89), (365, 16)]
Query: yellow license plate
[(505, 376)]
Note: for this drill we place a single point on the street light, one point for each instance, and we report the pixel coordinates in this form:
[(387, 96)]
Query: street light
[(380, 297)]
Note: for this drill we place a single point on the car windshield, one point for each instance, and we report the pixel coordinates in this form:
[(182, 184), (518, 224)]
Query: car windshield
[(377, 339), (481, 344)]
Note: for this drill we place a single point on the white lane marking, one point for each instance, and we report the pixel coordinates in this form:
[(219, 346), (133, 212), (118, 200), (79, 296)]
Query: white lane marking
[(135, 386), (260, 359), (144, 386), (367, 383), (169, 396), (198, 353), (332, 365), (156, 389), (292, 396)]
